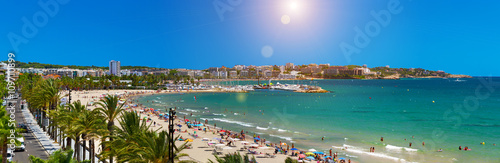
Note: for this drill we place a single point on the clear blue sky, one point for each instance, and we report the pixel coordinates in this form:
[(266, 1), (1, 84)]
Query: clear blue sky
[(457, 37)]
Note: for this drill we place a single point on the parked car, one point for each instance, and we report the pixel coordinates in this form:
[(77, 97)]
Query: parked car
[(10, 155), (20, 147)]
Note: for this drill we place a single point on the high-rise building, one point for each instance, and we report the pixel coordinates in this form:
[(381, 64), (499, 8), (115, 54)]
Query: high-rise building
[(114, 68)]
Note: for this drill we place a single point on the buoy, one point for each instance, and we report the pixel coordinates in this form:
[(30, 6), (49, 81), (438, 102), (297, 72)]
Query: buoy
[(408, 89), (370, 97), (433, 101)]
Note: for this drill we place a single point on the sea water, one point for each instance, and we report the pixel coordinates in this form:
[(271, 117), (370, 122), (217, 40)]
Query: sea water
[(443, 113)]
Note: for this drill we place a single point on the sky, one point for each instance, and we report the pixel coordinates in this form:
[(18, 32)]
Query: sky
[(457, 37)]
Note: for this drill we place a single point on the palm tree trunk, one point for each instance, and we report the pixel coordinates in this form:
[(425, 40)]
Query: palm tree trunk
[(84, 146), (4, 151), (68, 142), (77, 149), (110, 129), (92, 149)]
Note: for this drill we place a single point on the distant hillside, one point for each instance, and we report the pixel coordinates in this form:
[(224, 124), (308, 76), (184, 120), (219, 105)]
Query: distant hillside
[(43, 65)]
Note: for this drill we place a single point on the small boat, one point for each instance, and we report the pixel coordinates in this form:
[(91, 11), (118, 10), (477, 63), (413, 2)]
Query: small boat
[(458, 80)]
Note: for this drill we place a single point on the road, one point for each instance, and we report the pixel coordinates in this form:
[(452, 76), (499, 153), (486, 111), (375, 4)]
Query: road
[(33, 147)]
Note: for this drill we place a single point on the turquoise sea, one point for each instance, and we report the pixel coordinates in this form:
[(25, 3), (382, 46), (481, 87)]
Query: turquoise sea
[(443, 113)]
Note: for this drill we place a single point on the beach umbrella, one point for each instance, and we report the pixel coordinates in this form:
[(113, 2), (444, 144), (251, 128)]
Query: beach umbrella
[(283, 143), (302, 156), (327, 156), (222, 131), (312, 150), (321, 153), (310, 158), (187, 120), (256, 138), (161, 114), (309, 153), (294, 149), (342, 158)]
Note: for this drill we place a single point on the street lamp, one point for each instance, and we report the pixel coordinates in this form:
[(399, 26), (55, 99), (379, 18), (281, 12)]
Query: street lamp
[(171, 116)]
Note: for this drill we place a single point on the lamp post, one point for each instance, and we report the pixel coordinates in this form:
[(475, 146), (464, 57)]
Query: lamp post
[(171, 116)]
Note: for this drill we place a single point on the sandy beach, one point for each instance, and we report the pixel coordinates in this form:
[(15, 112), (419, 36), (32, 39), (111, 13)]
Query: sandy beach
[(200, 149)]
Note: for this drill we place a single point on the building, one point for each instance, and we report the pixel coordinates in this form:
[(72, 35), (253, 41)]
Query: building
[(244, 73), (125, 72), (233, 74), (351, 72), (114, 68), (289, 66)]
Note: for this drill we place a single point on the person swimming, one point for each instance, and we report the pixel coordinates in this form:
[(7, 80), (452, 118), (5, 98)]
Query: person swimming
[(459, 147)]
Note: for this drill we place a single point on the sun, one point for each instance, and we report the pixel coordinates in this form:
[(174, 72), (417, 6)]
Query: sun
[(293, 5)]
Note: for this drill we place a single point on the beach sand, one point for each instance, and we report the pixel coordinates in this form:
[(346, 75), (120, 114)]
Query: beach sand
[(199, 151)]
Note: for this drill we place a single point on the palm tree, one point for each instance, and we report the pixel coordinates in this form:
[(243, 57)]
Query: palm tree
[(234, 158), (58, 156), (110, 109), (134, 141), (88, 124)]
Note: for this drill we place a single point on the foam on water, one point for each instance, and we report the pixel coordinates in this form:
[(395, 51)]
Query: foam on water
[(261, 128), (219, 114), (234, 122), (282, 137), (191, 110), (281, 130), (358, 150)]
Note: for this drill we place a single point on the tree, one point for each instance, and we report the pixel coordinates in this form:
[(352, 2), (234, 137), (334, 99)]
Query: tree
[(110, 109), (234, 158)]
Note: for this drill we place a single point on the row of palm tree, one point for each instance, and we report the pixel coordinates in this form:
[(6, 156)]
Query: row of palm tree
[(131, 141)]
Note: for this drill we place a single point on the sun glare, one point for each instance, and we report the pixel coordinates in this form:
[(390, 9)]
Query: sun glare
[(293, 5)]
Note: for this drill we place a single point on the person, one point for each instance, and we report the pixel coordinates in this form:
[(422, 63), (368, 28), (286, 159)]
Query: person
[(466, 148), (460, 148), (410, 144), (349, 161), (322, 138), (373, 149), (423, 143), (440, 150), (381, 138)]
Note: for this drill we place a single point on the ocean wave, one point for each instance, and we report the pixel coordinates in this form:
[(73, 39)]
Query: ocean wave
[(399, 149), (183, 113), (219, 114), (234, 122), (282, 137), (358, 150), (191, 110), (281, 130), (261, 128)]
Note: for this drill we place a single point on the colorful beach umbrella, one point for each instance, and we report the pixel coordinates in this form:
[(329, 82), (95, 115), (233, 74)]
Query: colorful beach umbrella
[(310, 158), (294, 149), (256, 138), (309, 153), (302, 156), (321, 153)]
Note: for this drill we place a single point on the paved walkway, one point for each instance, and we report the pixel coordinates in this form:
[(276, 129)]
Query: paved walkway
[(47, 143)]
